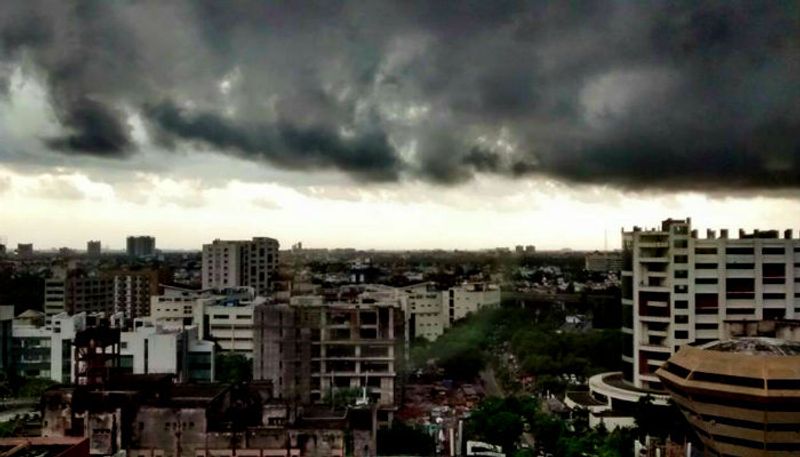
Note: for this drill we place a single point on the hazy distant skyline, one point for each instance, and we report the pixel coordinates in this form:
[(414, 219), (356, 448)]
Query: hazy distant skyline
[(395, 125)]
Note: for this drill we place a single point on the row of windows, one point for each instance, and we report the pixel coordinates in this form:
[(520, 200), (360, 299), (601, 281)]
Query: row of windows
[(738, 402)]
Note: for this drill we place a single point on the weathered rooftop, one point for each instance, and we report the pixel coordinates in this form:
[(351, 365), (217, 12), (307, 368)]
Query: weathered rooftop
[(756, 346)]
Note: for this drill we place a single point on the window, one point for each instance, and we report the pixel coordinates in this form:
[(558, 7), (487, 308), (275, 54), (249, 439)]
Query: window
[(706, 301), (740, 285), (773, 250), (775, 296), (739, 251), (681, 259), (681, 319), (740, 266), (706, 281), (681, 289), (681, 335), (681, 274), (680, 244), (774, 270), (739, 311), (706, 326), (705, 266), (705, 251), (681, 304)]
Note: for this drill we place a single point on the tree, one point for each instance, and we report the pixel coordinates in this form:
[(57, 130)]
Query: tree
[(233, 368), (500, 420)]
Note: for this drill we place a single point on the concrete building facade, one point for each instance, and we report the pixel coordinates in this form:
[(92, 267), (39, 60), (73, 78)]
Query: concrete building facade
[(93, 249), (150, 349), (224, 316), (24, 250), (313, 350), (133, 289), (678, 289), (603, 262), (241, 263), (140, 246), (42, 352), (431, 311)]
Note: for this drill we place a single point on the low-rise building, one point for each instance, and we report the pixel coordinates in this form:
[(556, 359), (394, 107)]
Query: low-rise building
[(150, 416), (224, 316), (154, 349), (741, 396), (40, 351), (603, 262)]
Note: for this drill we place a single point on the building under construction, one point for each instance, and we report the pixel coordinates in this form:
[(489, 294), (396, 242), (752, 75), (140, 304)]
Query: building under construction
[(316, 352)]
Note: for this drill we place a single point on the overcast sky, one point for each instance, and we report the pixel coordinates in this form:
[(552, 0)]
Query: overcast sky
[(395, 124)]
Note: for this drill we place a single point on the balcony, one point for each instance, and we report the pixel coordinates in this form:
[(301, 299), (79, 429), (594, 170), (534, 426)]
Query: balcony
[(706, 288), (655, 348), (659, 333), (648, 288), (663, 259), (656, 274), (653, 244), (662, 319)]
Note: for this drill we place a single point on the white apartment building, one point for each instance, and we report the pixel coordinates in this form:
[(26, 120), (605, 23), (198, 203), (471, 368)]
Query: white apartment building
[(231, 326), (155, 349), (177, 307), (241, 263), (425, 304), (43, 352), (678, 289), (55, 296), (222, 315), (431, 311)]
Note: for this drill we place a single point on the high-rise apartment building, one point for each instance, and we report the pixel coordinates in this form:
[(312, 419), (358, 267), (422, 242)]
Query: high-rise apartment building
[(93, 249), (240, 263), (141, 246), (133, 289), (77, 291), (678, 289)]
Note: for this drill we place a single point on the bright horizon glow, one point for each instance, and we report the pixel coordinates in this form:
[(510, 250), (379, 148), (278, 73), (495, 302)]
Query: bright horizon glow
[(68, 208)]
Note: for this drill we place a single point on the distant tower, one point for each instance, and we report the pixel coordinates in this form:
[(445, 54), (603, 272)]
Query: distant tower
[(25, 250), (93, 249), (141, 246)]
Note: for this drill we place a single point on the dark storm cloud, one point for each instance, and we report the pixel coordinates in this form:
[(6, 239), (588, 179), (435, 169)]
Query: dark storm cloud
[(670, 95), (287, 145)]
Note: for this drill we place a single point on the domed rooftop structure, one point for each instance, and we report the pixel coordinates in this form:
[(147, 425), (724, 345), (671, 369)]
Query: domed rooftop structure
[(756, 346), (741, 396)]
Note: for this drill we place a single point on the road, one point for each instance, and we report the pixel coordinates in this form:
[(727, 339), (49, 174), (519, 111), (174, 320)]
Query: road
[(493, 388)]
